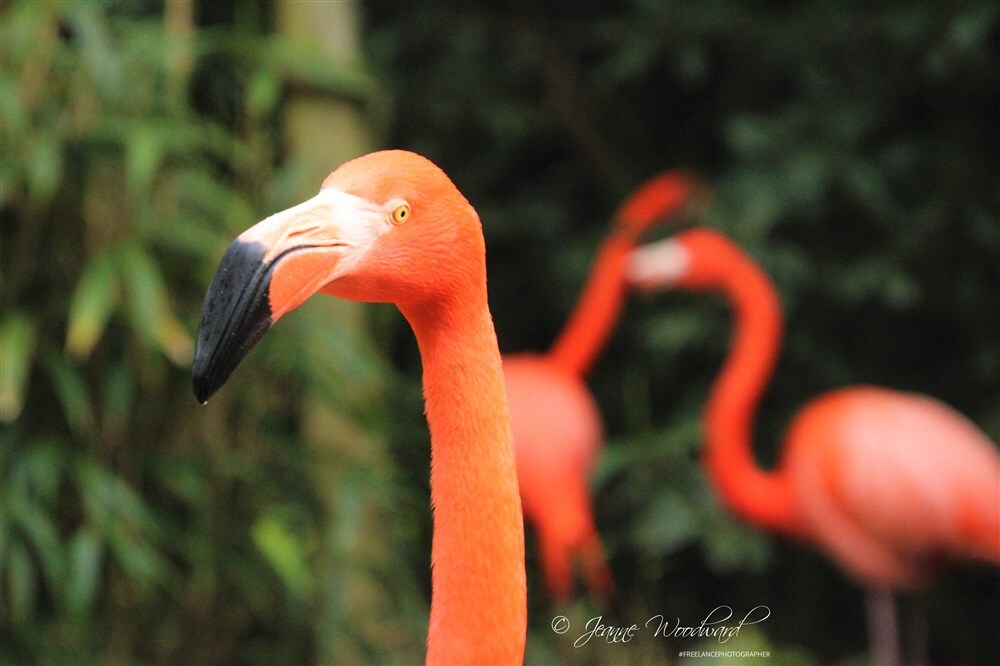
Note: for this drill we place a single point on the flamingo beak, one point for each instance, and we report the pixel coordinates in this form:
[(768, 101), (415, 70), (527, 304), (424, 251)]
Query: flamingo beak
[(657, 265), (271, 269)]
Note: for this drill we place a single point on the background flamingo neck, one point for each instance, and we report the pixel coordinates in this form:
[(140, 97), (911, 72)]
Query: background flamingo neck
[(597, 310), (478, 605), (757, 495)]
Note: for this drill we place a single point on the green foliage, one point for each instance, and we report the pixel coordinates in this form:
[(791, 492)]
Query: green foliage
[(17, 346), (134, 525)]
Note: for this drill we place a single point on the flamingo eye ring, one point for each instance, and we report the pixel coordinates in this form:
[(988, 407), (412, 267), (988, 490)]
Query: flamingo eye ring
[(401, 213)]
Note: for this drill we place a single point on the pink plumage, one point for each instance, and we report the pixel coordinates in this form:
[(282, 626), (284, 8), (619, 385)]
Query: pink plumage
[(888, 484), (891, 483)]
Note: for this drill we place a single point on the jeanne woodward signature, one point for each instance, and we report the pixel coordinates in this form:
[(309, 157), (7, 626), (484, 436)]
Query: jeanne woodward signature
[(717, 624)]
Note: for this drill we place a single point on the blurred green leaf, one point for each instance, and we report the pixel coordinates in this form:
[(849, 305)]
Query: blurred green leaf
[(298, 64), (21, 583), (15, 118), (44, 165), (39, 471), (144, 153), (749, 136), (731, 546), (675, 329), (874, 279), (284, 553), (119, 516), (17, 347), (263, 94), (868, 183), (94, 300), (153, 140), (40, 533), (97, 50), (85, 555), (150, 313), (118, 396), (668, 524), (210, 212), (184, 481), (110, 503), (141, 561), (73, 394)]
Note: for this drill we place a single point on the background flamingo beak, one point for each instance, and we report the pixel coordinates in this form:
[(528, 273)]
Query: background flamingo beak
[(657, 265)]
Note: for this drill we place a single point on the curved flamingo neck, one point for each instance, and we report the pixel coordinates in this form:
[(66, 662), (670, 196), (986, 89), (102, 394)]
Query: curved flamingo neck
[(478, 604), (599, 307), (760, 496)]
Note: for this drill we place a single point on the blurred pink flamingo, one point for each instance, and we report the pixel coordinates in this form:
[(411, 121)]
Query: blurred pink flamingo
[(556, 422), (886, 483)]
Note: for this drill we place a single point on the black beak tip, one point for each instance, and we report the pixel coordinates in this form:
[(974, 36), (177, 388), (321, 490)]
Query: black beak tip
[(202, 392), (235, 315), (203, 384)]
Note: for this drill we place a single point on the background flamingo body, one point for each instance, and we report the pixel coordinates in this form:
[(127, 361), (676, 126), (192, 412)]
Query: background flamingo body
[(890, 482), (556, 422), (886, 483), (553, 479)]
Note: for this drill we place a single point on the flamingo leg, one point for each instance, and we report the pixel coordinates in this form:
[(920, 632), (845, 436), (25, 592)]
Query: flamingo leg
[(883, 631), (916, 633)]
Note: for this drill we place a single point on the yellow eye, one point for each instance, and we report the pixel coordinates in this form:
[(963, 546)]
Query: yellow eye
[(401, 213)]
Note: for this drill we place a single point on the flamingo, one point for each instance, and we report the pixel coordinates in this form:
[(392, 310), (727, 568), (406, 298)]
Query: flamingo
[(391, 227), (556, 422), (885, 482)]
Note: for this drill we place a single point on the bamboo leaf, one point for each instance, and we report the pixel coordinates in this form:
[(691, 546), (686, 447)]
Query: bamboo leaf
[(44, 164), (110, 503), (95, 299), (207, 208), (5, 532), (174, 339), (41, 467), (39, 531), (117, 398), (21, 583), (280, 547), (150, 314), (97, 49), (72, 393), (175, 138), (143, 564), (119, 514), (17, 347), (86, 554), (304, 65), (144, 152), (263, 94)]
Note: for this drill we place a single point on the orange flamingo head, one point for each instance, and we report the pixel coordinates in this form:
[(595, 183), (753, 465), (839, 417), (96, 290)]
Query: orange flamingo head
[(386, 227), (696, 259), (666, 194)]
